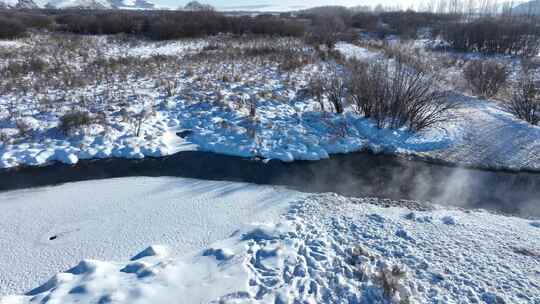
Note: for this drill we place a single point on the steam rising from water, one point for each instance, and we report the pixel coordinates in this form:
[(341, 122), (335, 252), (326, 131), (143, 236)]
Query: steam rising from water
[(389, 177)]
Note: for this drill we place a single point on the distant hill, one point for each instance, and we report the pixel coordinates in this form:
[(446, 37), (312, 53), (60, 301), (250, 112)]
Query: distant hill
[(82, 4), (531, 7), (27, 4), (197, 6)]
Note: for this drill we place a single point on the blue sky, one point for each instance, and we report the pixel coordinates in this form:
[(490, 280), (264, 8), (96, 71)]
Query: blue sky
[(280, 4)]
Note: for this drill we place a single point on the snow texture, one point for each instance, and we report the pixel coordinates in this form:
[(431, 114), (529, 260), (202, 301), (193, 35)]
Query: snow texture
[(323, 249), (47, 230)]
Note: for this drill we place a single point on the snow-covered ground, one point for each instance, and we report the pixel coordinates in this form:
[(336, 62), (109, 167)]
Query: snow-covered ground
[(148, 49), (10, 44), (484, 134), (46, 230), (298, 248), (211, 100)]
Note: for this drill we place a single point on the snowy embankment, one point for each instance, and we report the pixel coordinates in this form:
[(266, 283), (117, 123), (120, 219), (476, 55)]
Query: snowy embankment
[(322, 249), (288, 125), (212, 105)]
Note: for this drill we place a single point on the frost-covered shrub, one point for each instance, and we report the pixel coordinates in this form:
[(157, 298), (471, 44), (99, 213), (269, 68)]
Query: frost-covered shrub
[(486, 77), (74, 120), (392, 277), (525, 101), (395, 95), (4, 137), (316, 90), (335, 88), (23, 127), (293, 61), (31, 65), (36, 65)]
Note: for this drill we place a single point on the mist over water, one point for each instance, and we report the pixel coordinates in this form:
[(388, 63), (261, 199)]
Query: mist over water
[(357, 174), (383, 176)]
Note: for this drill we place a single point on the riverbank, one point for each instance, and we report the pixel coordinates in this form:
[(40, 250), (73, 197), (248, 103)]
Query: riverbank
[(320, 248), (249, 109)]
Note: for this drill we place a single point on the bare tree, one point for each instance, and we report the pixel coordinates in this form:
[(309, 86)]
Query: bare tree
[(396, 95), (142, 115), (335, 87), (316, 89), (326, 30), (525, 101)]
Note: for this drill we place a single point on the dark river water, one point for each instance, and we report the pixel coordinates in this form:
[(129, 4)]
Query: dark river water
[(357, 174)]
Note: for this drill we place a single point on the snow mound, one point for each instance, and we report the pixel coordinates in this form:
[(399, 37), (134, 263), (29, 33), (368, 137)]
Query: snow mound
[(156, 250)]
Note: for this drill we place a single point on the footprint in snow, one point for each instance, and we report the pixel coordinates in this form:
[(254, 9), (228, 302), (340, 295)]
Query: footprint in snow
[(219, 254), (376, 217), (402, 233), (448, 220), (419, 219)]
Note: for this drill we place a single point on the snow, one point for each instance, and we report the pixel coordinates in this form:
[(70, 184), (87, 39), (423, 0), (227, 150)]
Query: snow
[(351, 51), (8, 44), (148, 49), (322, 248), (61, 4), (484, 135), (112, 219), (9, 3)]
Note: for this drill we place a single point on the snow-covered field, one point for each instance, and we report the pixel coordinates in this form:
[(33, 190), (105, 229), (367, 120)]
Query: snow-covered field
[(237, 243), (238, 105), (45, 230)]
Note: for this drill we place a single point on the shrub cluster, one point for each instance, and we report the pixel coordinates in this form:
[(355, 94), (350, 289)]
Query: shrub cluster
[(74, 120), (406, 24), (328, 12), (326, 30), (501, 35), (366, 21), (486, 77), (395, 95), (104, 22), (525, 101)]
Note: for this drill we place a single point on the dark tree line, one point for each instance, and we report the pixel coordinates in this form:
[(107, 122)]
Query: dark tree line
[(174, 25), (504, 33), (158, 25), (15, 24)]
